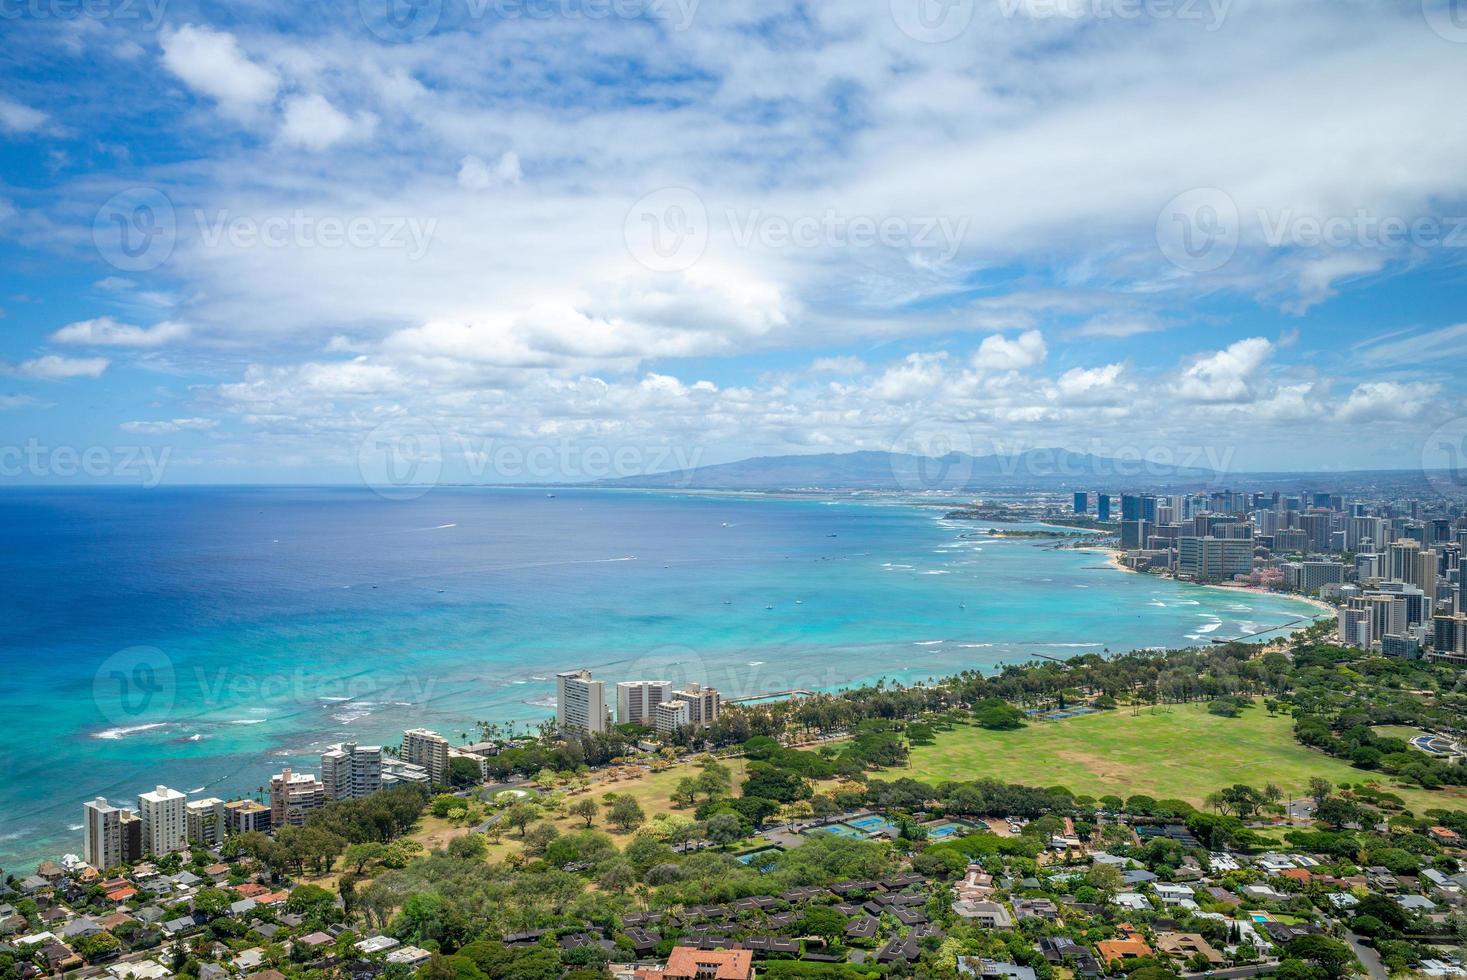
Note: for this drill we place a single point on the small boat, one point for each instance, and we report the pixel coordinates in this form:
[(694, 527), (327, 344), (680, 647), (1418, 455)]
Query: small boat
[(768, 607)]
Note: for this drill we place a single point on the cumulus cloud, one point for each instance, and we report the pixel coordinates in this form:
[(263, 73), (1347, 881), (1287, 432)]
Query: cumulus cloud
[(999, 353), (53, 367), (312, 122), (20, 119), (212, 63), (106, 332), (1094, 386), (476, 175), (1376, 400), (1231, 375)]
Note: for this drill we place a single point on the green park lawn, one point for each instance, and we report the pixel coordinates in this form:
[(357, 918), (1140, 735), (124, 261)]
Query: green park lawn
[(1177, 751)]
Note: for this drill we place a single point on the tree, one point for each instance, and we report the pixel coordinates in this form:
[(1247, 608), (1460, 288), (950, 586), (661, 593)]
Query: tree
[(464, 772), (1319, 789), (520, 816), (625, 814), (714, 780), (1330, 955), (685, 792), (584, 809), (824, 922), (358, 856), (725, 828), (212, 903), (617, 876)]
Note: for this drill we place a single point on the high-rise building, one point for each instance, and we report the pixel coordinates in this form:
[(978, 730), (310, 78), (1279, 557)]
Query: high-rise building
[(1214, 559), (1102, 506), (580, 702), (421, 747), (205, 821), (694, 705), (637, 700), (293, 795), (1313, 575), (165, 828), (1082, 501), (1134, 534), (246, 817), (102, 835), (1424, 575), (132, 837), (350, 771)]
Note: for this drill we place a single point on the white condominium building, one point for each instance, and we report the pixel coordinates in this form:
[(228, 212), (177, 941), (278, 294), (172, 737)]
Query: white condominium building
[(580, 702), (349, 770), (205, 821), (421, 747), (165, 826), (637, 701), (102, 840)]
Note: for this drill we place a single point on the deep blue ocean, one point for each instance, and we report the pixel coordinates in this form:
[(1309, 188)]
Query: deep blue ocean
[(205, 638)]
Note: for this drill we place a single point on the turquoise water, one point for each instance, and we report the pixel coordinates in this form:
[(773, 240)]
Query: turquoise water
[(205, 638)]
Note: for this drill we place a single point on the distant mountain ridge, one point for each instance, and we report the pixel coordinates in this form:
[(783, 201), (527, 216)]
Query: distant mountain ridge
[(875, 470)]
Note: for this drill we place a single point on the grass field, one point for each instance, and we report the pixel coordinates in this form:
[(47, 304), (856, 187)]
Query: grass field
[(1180, 751)]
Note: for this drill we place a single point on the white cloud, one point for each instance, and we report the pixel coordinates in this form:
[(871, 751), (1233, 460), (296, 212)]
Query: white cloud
[(212, 63), (312, 122), (1227, 376), (172, 425), (1376, 400), (998, 353), (106, 332), (1117, 326), (837, 365), (476, 175), (17, 118), (53, 367), (917, 376), (1094, 386)]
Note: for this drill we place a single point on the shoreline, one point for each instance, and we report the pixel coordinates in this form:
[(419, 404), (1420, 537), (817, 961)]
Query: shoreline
[(1114, 560)]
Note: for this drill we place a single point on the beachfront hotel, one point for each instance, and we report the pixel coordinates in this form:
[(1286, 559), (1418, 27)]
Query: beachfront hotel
[(580, 702), (695, 706)]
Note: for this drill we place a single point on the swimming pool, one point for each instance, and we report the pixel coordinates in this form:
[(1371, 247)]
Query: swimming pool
[(760, 860)]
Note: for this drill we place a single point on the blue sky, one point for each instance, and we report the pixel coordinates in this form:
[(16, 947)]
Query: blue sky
[(254, 241)]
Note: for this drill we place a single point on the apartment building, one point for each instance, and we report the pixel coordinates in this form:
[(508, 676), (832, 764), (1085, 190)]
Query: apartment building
[(580, 702), (165, 825), (102, 834), (420, 747), (636, 701), (205, 821), (293, 795), (350, 771)]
